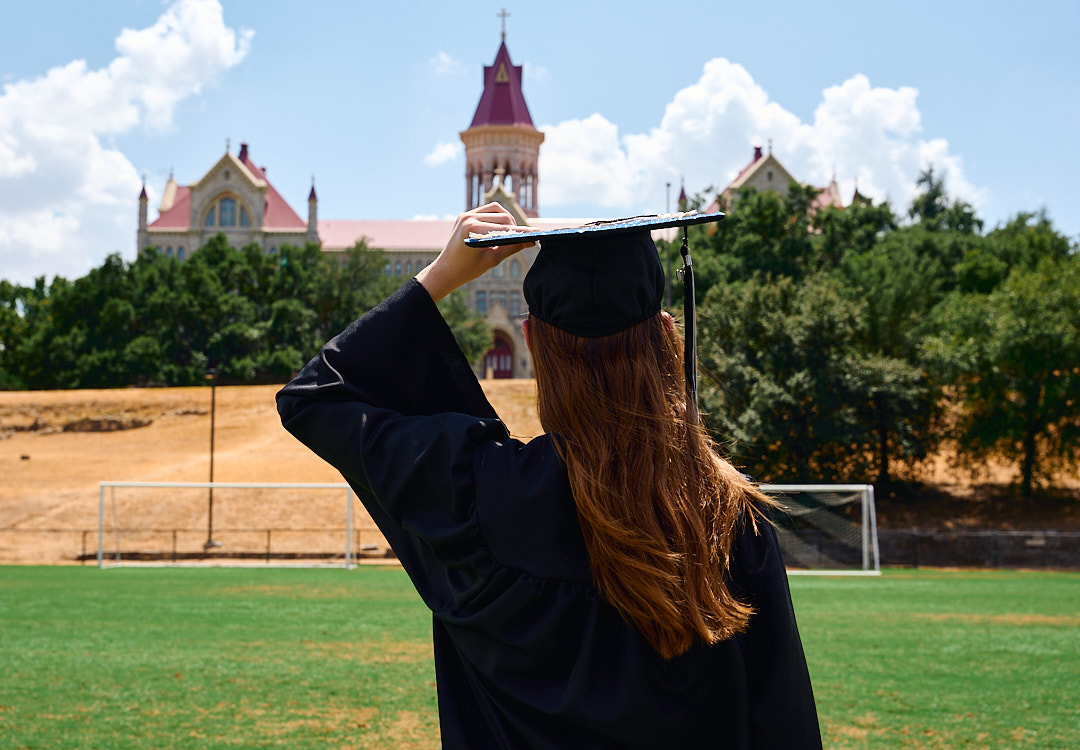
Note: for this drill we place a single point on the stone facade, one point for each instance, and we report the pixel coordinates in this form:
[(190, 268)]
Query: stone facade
[(233, 198), (502, 150)]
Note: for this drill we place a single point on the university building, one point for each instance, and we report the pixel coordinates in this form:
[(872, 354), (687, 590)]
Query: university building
[(502, 149)]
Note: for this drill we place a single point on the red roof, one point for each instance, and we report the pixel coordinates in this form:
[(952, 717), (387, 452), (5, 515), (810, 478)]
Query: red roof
[(277, 213), (502, 102), (179, 215), (755, 160)]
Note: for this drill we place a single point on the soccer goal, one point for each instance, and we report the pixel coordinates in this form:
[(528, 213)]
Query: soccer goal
[(229, 524), (827, 529)]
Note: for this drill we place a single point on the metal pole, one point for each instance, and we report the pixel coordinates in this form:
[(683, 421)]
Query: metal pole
[(101, 527), (348, 530), (866, 530), (211, 375), (873, 531)]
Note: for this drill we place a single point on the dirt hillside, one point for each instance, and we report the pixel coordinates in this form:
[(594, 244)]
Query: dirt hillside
[(56, 446)]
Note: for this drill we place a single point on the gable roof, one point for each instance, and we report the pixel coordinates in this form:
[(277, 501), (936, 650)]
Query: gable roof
[(502, 102), (178, 214), (277, 213), (758, 163)]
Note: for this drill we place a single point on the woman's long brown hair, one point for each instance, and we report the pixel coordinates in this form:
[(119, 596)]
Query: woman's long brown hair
[(658, 507)]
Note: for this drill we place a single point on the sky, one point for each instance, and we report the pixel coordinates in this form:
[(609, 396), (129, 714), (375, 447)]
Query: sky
[(368, 100)]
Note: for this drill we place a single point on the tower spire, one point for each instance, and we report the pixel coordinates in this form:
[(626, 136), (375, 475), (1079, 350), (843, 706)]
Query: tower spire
[(502, 137), (503, 15)]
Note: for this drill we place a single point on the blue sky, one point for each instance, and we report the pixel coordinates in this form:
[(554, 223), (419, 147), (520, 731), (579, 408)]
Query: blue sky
[(370, 100)]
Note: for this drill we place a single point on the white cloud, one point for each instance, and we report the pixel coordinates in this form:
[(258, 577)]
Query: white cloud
[(444, 65), (708, 132), (443, 152), (67, 195)]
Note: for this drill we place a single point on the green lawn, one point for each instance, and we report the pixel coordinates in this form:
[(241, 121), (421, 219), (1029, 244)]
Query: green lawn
[(247, 658)]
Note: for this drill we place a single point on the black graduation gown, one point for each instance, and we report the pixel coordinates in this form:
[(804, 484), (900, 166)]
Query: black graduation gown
[(527, 654)]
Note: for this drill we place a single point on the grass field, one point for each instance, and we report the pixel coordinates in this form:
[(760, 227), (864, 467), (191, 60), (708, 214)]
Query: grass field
[(208, 658)]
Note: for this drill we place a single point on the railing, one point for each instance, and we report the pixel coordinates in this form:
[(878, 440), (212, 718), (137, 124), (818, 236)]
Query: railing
[(21, 545), (899, 547)]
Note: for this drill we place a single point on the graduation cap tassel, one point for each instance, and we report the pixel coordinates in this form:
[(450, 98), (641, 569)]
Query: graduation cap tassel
[(690, 331)]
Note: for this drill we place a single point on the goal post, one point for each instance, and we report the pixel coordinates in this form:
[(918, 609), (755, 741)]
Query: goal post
[(827, 529), (269, 524)]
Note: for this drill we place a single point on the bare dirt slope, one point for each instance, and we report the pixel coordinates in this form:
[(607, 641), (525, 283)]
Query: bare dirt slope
[(49, 477)]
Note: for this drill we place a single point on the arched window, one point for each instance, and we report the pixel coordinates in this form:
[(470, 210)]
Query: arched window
[(180, 253), (397, 268), (168, 251), (497, 271), (408, 268), (515, 269), (228, 212)]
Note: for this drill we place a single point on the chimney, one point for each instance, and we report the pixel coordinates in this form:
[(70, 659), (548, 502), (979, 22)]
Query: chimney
[(757, 152), (243, 152)]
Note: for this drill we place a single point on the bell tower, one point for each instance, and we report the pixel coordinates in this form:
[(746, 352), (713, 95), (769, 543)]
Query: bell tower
[(502, 147)]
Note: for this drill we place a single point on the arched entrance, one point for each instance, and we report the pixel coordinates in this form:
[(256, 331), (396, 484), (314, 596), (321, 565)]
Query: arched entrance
[(499, 361)]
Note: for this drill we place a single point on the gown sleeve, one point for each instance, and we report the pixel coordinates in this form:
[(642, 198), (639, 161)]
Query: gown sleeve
[(782, 711), (392, 403)]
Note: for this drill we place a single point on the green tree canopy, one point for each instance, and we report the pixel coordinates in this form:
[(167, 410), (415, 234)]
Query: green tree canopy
[(1014, 357)]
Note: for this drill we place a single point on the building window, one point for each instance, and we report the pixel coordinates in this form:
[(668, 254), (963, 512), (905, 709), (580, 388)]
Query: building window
[(228, 212), (481, 302), (497, 271), (397, 268), (408, 268), (180, 253), (168, 251), (515, 305), (515, 269), (499, 298)]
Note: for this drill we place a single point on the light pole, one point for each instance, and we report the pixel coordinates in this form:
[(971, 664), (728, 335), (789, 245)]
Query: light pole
[(211, 375)]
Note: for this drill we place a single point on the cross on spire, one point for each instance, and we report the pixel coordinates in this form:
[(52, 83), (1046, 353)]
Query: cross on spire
[(503, 15)]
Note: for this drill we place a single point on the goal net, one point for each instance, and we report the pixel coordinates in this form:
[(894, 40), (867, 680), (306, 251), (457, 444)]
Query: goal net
[(827, 528), (231, 523)]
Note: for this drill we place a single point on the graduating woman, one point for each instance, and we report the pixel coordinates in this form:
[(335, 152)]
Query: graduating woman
[(612, 583)]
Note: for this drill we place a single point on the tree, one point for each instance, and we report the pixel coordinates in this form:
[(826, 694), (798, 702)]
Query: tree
[(1014, 355), (470, 329), (777, 361), (932, 210), (894, 288), (855, 230)]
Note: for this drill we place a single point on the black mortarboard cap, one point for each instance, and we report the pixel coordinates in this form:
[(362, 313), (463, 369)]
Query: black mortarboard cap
[(602, 278)]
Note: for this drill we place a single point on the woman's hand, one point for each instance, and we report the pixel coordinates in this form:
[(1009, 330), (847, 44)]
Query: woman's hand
[(458, 263)]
